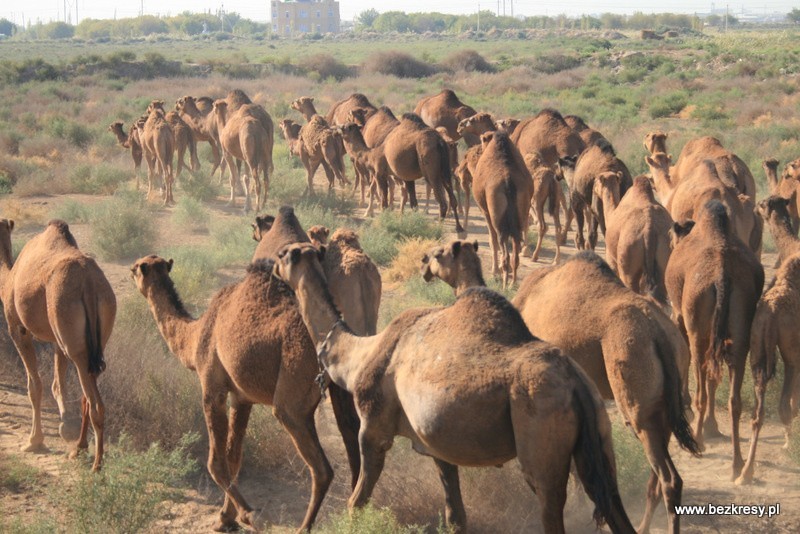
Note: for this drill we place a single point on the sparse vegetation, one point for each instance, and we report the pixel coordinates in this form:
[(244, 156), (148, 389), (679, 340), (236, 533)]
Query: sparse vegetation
[(122, 228)]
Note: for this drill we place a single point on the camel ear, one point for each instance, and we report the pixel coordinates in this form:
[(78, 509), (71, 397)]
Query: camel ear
[(619, 175), (650, 161), (425, 258), (143, 267), (10, 224), (456, 248), (475, 245), (326, 231), (169, 265), (320, 253)]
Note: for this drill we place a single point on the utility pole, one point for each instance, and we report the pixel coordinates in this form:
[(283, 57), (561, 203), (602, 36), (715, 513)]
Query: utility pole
[(65, 10), (76, 13), (726, 18), (479, 17), (512, 8), (141, 9)]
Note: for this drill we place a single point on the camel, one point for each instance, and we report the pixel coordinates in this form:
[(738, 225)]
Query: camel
[(202, 123), (321, 146), (318, 235), (415, 151), (251, 346), (786, 187), (546, 192), (370, 163), (629, 347), (130, 141), (775, 327), (478, 124), (340, 111), (243, 137), (377, 126), (57, 294), (184, 140), (445, 109), (464, 173), (508, 125), (590, 136), (262, 225), (291, 132), (503, 189), (637, 234), (774, 210), (478, 398), (457, 264), (549, 135), (714, 282), (655, 142), (595, 160), (158, 141)]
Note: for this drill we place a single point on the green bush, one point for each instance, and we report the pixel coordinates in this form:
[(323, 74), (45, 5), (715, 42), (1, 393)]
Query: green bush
[(191, 213), (194, 274), (409, 224), (670, 104), (370, 520), (378, 243), (199, 185), (123, 229), (436, 293), (73, 212), (233, 241), (633, 469), (97, 179), (15, 474)]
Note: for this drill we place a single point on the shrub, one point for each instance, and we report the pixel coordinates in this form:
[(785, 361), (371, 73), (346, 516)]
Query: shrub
[(233, 241), (97, 179), (369, 520), (468, 61), (553, 63), (122, 229), (199, 186), (325, 66), (194, 274), (410, 224), (670, 104), (191, 213), (378, 243), (408, 261), (398, 64), (434, 293), (73, 212)]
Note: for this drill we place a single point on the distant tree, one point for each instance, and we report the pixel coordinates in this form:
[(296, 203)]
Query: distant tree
[(393, 21), (366, 19), (57, 30), (7, 27), (794, 16), (713, 20), (612, 21)]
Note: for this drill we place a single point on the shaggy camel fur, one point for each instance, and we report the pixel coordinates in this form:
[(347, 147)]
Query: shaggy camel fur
[(370, 163), (415, 151), (340, 111), (590, 136), (637, 234), (251, 346), (130, 141), (57, 294), (446, 110), (714, 282), (703, 184), (730, 168), (158, 141), (458, 265), (775, 327), (655, 142), (318, 235), (594, 161), (202, 123), (774, 210), (419, 380), (549, 135), (243, 137), (321, 145), (546, 192), (786, 187), (503, 189), (629, 347)]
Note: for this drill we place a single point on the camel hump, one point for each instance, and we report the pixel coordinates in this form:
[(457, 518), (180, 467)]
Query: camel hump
[(605, 147), (715, 217), (60, 229), (494, 314), (413, 117), (450, 97), (596, 263), (552, 114), (361, 100)]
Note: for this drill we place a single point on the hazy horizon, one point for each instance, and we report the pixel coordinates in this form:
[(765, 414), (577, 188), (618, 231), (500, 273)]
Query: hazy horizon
[(50, 10)]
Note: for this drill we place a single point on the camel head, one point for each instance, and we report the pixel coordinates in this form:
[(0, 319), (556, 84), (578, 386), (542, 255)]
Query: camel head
[(486, 139), (450, 263), (776, 208), (477, 124), (358, 116), (262, 225), (318, 235), (608, 181), (149, 270), (770, 164), (350, 131), (304, 104), (301, 262), (221, 110), (655, 142), (115, 127), (186, 103), (659, 164), (289, 129), (509, 125), (155, 105), (679, 231), (792, 170), (565, 168)]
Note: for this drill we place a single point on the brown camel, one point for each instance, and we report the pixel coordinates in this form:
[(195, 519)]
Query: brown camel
[(508, 125), (251, 346), (590, 136), (655, 142), (775, 327), (318, 235), (785, 187), (340, 111), (714, 282), (548, 134), (184, 141), (457, 264), (158, 141), (503, 189), (629, 347), (419, 380), (321, 146), (415, 151), (546, 193), (370, 163), (730, 168), (57, 294), (477, 125), (445, 109), (701, 185), (203, 124), (774, 210), (243, 137), (637, 234), (377, 126), (360, 115), (130, 141), (595, 160), (291, 132)]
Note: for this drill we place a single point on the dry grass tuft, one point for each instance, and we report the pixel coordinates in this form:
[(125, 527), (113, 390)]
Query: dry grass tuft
[(406, 264)]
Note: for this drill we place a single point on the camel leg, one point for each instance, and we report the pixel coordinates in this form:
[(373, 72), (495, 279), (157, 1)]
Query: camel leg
[(577, 211), (784, 405), (411, 187), (710, 426), (736, 376), (494, 246), (311, 169), (69, 427), (746, 477), (181, 164), (83, 437), (515, 249), (664, 478), (344, 411), (214, 402), (454, 207), (698, 347), (541, 228), (94, 404), (370, 211), (467, 194), (455, 515), (24, 344), (329, 174), (245, 178), (234, 178), (237, 429), (373, 454)]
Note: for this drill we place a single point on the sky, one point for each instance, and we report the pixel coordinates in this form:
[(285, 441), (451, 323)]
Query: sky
[(47, 10)]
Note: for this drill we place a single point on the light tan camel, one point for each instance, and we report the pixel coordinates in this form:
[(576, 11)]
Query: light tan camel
[(684, 199), (322, 145), (414, 151), (547, 194), (629, 347), (775, 327), (445, 109), (340, 111), (477, 125), (291, 132), (468, 385), (184, 141), (589, 136), (371, 164), (637, 234), (714, 282), (655, 142), (131, 142), (774, 210), (250, 346), (508, 124), (503, 189), (158, 141), (203, 125), (457, 264), (548, 134), (243, 137), (57, 294), (786, 187)]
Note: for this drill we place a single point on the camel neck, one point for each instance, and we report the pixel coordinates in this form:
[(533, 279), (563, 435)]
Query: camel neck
[(317, 308), (343, 355), (174, 323), (467, 278), (772, 179), (663, 185), (785, 240), (610, 202), (308, 114)]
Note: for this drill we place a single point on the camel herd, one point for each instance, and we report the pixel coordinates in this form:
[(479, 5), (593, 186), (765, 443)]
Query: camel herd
[(482, 381)]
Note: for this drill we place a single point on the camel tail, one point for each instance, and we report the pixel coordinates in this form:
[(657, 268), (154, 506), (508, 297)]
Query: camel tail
[(509, 225), (719, 349), (94, 345), (654, 280), (673, 396), (595, 462), (344, 409)]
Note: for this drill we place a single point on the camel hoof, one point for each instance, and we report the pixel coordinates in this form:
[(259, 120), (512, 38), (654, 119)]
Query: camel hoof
[(712, 433), (69, 430), (247, 519), (36, 448), (745, 479), (226, 526)]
